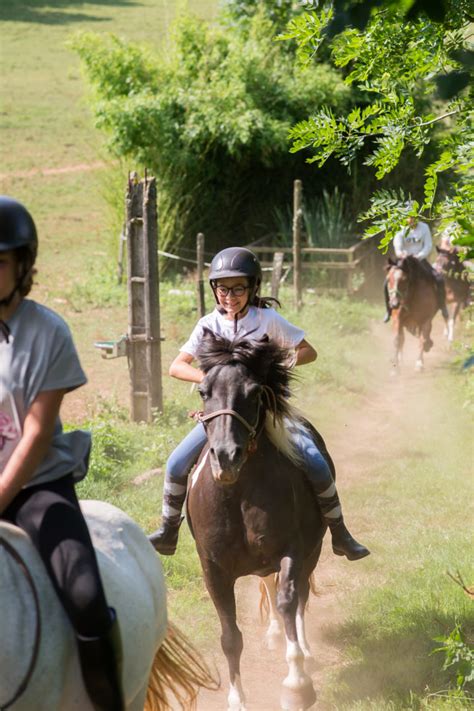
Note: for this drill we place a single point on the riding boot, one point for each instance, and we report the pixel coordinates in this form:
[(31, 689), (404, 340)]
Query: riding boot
[(388, 311), (101, 665), (165, 539), (342, 541)]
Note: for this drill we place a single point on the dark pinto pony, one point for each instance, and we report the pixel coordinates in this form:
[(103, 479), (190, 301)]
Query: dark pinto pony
[(414, 302), (249, 506), (456, 281)]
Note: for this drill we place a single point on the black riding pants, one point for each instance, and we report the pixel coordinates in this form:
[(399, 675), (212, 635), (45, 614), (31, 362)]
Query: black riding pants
[(51, 516)]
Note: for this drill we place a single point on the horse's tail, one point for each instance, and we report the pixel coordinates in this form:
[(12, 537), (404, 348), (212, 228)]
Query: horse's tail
[(179, 671), (264, 604)]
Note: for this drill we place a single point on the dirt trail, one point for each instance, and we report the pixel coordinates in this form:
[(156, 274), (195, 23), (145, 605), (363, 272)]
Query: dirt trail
[(392, 400)]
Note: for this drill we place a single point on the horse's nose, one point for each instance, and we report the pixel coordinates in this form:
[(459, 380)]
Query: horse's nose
[(226, 477), (229, 456)]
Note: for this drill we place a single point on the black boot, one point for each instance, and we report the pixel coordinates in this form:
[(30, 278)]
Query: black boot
[(388, 311), (442, 299), (101, 664), (165, 539), (344, 544)]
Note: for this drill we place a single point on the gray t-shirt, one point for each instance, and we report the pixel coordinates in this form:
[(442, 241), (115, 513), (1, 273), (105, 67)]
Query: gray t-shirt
[(40, 355)]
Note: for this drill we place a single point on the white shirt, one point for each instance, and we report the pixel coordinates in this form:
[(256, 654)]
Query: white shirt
[(414, 240), (260, 322)]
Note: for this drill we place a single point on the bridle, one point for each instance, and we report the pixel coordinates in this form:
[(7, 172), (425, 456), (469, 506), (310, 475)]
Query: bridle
[(394, 291), (254, 429)]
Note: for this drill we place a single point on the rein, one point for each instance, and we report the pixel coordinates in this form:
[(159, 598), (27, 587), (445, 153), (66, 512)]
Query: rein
[(34, 655)]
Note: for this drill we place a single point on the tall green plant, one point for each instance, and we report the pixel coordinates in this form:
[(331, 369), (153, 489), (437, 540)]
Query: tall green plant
[(326, 222)]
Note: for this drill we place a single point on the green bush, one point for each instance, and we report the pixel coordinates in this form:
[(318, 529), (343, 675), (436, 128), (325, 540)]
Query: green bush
[(210, 117)]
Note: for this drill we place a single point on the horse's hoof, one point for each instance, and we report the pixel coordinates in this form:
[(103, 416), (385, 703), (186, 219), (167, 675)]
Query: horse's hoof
[(419, 366), (296, 699)]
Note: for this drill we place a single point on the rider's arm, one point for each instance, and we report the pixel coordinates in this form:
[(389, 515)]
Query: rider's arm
[(38, 429), (182, 369), (398, 243), (305, 353), (425, 251)]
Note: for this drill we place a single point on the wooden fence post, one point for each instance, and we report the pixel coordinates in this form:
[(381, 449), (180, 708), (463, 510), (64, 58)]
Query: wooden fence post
[(297, 219), (144, 348), (200, 275), (276, 273)]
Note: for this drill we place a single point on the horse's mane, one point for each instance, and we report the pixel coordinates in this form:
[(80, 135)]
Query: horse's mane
[(410, 265), (264, 358)]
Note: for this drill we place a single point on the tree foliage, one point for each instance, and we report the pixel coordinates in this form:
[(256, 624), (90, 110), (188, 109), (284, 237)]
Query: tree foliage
[(412, 62)]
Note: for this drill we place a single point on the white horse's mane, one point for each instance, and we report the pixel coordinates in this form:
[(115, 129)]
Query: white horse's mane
[(277, 432)]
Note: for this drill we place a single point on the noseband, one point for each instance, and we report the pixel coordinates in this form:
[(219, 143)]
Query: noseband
[(253, 429)]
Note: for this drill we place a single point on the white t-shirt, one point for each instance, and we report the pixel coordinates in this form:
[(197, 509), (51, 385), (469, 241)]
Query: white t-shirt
[(257, 323), (414, 240), (40, 356)]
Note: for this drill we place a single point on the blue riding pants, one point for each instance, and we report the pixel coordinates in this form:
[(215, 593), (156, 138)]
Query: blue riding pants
[(187, 452)]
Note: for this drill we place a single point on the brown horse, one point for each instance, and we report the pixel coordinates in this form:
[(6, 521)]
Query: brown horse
[(414, 302), (456, 280), (249, 506)]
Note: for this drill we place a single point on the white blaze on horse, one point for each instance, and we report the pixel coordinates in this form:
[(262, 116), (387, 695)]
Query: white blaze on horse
[(39, 663), (456, 280)]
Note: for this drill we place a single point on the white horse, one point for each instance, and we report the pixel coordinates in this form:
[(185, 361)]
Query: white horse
[(38, 647)]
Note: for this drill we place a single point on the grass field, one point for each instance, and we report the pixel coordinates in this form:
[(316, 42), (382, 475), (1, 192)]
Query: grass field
[(46, 124), (405, 455)]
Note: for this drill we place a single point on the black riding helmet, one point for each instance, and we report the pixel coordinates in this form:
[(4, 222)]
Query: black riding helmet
[(17, 228), (18, 232), (235, 262)]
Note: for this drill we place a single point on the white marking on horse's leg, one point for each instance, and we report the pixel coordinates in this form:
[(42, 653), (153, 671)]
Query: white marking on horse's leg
[(297, 690), (451, 329), (419, 365), (301, 632), (274, 631), (236, 698)]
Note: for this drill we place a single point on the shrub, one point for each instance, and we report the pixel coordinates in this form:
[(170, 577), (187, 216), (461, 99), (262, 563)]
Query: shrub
[(211, 118)]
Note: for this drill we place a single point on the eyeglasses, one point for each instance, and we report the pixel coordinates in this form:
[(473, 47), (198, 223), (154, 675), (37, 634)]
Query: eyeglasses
[(238, 290)]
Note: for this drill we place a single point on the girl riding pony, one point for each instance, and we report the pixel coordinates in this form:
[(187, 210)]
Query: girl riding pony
[(235, 277)]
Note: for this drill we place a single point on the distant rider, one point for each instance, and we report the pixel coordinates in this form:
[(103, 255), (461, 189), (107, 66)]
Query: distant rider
[(415, 240)]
